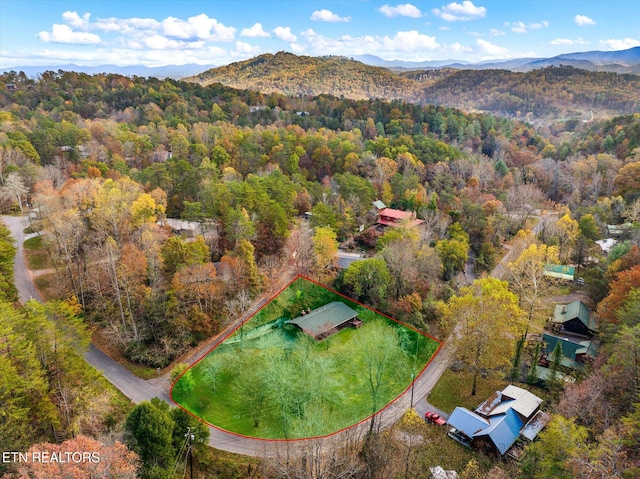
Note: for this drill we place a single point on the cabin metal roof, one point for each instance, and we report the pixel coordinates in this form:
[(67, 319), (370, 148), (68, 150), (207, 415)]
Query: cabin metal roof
[(324, 318)]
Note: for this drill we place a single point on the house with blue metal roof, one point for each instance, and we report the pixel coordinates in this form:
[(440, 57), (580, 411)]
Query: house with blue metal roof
[(499, 421)]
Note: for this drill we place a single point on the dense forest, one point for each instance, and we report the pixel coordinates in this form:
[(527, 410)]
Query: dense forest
[(546, 93), (105, 160)]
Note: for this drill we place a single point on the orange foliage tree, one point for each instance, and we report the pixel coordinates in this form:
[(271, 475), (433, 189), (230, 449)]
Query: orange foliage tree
[(618, 292), (79, 458)]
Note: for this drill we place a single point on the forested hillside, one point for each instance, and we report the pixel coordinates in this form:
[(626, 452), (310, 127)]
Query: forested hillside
[(302, 75), (552, 92), (105, 160)]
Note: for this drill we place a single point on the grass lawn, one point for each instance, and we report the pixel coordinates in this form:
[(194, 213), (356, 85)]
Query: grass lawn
[(276, 382), (454, 389), (37, 256)]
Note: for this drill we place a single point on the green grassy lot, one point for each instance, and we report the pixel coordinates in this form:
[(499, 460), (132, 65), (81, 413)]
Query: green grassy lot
[(279, 383), (454, 389), (37, 256)]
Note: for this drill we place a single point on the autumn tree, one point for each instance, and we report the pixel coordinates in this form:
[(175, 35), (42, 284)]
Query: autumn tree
[(325, 247), (81, 458), (486, 321), (526, 275), (14, 189), (560, 451), (453, 251), (366, 280), (619, 290)]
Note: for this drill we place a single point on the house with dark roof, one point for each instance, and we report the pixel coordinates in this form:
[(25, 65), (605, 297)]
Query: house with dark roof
[(575, 354), (574, 318), (499, 421), (396, 218), (326, 320)]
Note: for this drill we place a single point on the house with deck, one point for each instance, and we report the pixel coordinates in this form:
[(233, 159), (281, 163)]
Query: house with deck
[(500, 421), (397, 218), (574, 353), (574, 318)]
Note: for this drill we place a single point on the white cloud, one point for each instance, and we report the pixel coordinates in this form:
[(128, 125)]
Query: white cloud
[(402, 45), (247, 49), (582, 20), (444, 28), (404, 10), (621, 44), (492, 50), (126, 25), (568, 41), (325, 15), (409, 42), (459, 48), (284, 33), (158, 42), (521, 27), (539, 25), (64, 34), (201, 27), (255, 31), (496, 33), (455, 12), (73, 19)]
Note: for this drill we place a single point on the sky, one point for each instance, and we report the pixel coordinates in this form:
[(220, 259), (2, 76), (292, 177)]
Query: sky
[(218, 32)]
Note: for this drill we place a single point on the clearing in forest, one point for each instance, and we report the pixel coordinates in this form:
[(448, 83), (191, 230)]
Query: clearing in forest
[(309, 363)]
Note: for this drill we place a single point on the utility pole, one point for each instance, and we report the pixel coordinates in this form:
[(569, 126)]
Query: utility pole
[(190, 437), (413, 375)]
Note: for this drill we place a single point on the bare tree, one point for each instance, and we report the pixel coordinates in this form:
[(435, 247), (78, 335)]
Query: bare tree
[(14, 188)]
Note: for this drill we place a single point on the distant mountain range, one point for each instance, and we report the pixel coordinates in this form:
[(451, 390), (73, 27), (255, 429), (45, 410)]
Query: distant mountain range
[(577, 85), (168, 71), (621, 61), (549, 91)]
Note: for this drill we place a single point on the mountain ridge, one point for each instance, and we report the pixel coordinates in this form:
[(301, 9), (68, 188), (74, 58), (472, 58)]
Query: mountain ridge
[(618, 61)]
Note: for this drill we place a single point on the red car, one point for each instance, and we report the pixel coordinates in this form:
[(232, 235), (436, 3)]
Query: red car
[(434, 418)]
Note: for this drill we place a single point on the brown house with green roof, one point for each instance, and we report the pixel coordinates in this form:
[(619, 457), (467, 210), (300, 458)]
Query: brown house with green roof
[(574, 318), (326, 320)]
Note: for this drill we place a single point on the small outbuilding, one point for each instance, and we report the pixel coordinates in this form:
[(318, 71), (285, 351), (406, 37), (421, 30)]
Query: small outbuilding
[(326, 320), (560, 271)]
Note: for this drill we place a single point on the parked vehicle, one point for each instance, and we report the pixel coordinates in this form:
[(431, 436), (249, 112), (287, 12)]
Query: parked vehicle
[(434, 418)]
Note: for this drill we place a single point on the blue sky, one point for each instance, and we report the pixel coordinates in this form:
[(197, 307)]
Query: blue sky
[(217, 32)]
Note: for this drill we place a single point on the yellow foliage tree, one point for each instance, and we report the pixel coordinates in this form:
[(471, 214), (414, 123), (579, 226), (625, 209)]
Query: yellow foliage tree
[(527, 278), (487, 322)]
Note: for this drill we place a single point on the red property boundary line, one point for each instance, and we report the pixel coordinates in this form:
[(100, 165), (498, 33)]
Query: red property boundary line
[(279, 440)]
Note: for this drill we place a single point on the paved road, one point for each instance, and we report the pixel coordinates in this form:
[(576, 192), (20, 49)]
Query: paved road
[(21, 274), (131, 386), (139, 390)]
